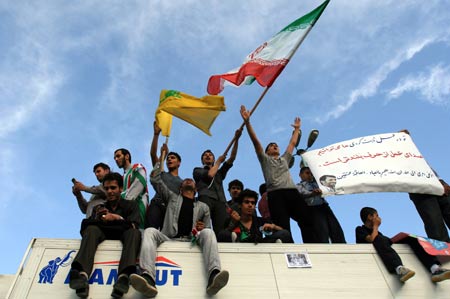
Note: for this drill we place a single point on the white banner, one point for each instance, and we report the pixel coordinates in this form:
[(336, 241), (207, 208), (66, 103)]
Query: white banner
[(379, 163)]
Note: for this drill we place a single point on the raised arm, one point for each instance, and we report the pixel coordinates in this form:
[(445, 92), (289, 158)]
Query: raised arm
[(158, 184), (295, 135), (154, 146), (246, 117), (234, 150), (213, 170), (97, 190), (82, 203)]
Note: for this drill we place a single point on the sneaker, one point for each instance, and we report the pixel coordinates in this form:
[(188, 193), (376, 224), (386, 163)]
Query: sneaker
[(440, 275), (217, 280), (83, 292), (233, 237), (121, 286), (144, 284), (278, 241), (116, 294), (405, 274), (79, 282)]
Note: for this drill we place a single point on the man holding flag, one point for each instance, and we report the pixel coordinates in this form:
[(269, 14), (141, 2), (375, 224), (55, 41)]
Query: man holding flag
[(157, 208), (264, 65), (209, 179), (285, 201)]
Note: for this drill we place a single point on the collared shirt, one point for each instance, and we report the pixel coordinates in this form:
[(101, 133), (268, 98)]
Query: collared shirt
[(213, 188), (305, 188)]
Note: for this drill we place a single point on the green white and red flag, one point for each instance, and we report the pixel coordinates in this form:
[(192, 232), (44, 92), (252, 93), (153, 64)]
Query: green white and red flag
[(268, 60)]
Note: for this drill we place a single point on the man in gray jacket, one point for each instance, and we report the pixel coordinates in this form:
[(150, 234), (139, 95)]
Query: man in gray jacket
[(185, 218), (98, 192)]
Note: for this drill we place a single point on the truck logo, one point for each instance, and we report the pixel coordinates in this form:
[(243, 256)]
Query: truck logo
[(163, 275), (105, 273), (167, 272), (47, 273)]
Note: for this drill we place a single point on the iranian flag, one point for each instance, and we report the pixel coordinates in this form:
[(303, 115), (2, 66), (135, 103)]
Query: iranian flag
[(268, 60)]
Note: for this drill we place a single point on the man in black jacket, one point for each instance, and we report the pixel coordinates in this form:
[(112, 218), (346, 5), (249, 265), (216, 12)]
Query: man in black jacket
[(118, 219)]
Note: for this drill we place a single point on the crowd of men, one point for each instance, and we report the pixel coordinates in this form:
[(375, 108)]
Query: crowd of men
[(196, 209)]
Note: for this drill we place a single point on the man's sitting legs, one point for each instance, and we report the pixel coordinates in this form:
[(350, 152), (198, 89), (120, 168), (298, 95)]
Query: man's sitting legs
[(145, 283), (131, 241), (84, 260), (217, 278)]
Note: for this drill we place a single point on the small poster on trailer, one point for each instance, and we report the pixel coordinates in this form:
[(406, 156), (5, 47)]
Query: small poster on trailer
[(298, 260)]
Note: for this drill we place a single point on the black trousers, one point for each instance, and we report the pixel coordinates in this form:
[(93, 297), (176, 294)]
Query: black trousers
[(435, 213), (218, 212), (392, 260), (326, 225), (285, 204), (155, 214), (93, 235)]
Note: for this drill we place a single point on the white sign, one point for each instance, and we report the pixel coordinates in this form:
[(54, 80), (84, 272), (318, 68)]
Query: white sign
[(379, 163)]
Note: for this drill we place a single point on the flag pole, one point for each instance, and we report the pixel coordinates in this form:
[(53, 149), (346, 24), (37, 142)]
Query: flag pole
[(322, 8), (243, 123), (163, 155), (266, 89)]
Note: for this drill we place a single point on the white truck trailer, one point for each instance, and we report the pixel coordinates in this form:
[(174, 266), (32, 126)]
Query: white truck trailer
[(256, 271)]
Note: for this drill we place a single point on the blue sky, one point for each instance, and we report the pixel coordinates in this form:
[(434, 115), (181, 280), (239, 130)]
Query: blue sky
[(81, 79)]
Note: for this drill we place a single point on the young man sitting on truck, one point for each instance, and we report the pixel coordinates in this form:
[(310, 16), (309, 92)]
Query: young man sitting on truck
[(368, 233), (117, 219), (186, 219)]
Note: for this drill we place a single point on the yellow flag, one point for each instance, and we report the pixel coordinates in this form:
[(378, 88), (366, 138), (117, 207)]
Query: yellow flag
[(164, 121), (200, 112)]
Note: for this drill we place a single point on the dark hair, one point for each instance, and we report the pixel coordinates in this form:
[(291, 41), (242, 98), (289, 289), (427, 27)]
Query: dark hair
[(247, 193), (102, 165), (174, 154), (124, 152), (365, 212), (235, 183), (303, 169), (267, 147), (114, 176), (207, 151), (324, 177), (262, 189)]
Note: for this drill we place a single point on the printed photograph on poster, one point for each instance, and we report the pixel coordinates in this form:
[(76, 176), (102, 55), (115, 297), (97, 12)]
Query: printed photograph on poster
[(298, 260)]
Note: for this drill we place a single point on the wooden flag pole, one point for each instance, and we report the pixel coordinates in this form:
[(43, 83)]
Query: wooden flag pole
[(243, 123)]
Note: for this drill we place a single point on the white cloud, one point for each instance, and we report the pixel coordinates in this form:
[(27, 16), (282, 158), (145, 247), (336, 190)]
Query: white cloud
[(370, 87), (27, 86), (434, 86), (195, 32)]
